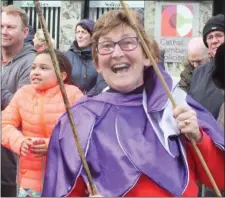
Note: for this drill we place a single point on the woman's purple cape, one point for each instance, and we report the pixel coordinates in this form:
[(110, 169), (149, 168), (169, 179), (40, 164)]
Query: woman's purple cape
[(122, 139)]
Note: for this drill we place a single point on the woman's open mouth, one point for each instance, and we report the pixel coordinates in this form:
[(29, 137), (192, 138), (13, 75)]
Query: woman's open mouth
[(120, 69)]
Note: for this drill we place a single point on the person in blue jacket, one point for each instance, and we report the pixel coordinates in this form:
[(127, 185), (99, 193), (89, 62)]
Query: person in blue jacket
[(84, 74)]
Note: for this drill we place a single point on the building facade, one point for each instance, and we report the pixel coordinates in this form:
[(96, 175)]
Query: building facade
[(62, 17), (201, 12)]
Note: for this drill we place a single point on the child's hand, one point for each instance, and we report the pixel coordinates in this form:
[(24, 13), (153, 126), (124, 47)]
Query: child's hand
[(27, 143), (39, 147)]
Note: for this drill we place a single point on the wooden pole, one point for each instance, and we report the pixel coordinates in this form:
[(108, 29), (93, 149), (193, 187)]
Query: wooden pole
[(65, 98), (150, 57)]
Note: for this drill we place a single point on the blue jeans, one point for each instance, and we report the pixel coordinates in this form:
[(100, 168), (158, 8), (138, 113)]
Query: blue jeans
[(28, 193)]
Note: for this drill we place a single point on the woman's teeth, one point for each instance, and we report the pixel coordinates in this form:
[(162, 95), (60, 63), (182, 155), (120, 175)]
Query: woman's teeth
[(120, 68)]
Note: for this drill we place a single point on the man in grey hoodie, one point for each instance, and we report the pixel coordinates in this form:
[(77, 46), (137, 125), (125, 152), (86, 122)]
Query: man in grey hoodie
[(17, 58)]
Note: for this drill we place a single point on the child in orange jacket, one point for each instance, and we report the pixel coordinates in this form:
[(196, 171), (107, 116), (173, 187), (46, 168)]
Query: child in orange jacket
[(36, 108)]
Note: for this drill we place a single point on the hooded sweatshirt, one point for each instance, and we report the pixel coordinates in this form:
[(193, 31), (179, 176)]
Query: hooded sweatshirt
[(15, 74)]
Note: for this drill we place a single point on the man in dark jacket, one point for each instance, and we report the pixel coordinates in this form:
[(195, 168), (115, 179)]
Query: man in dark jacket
[(17, 59), (202, 87), (30, 36)]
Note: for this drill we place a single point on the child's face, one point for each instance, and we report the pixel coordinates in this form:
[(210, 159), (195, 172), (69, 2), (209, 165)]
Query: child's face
[(42, 75)]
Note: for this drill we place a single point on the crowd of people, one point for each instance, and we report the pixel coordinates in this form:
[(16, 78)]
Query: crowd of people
[(127, 126)]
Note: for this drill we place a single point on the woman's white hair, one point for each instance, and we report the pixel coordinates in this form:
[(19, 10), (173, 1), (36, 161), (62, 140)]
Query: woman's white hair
[(40, 36)]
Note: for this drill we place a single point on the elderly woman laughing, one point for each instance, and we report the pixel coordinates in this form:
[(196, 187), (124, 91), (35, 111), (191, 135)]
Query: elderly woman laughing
[(135, 142)]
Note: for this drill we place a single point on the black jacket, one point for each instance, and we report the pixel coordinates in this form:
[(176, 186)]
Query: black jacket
[(204, 91), (99, 87)]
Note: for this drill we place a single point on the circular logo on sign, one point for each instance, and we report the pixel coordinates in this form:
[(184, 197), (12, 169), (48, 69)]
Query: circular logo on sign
[(177, 20)]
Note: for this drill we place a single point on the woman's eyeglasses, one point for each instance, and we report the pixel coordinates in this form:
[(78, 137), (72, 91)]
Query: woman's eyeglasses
[(126, 44)]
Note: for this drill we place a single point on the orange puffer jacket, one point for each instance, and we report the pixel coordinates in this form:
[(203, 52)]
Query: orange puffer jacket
[(37, 113)]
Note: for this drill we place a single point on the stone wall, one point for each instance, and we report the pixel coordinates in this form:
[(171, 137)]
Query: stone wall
[(150, 8), (71, 13), (205, 14), (3, 3)]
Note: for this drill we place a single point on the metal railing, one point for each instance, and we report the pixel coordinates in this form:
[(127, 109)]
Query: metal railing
[(95, 13), (52, 17)]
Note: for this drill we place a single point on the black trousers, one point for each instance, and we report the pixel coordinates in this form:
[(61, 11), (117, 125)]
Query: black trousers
[(8, 191), (211, 193)]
